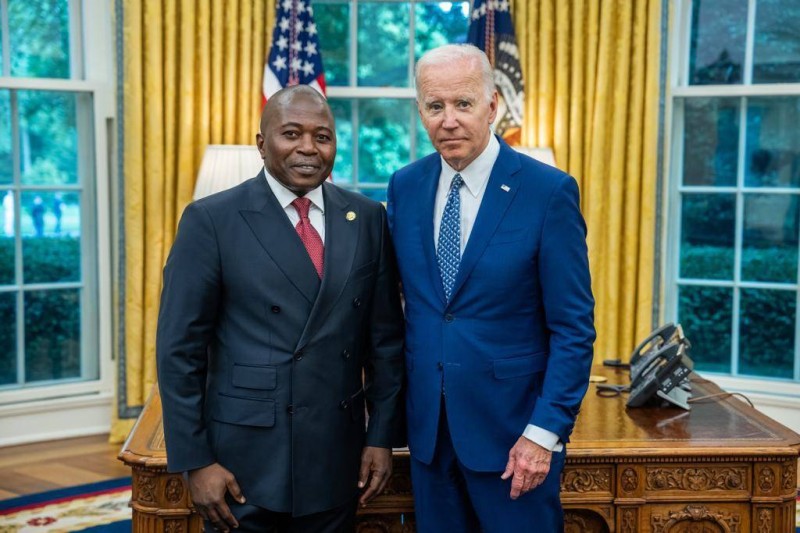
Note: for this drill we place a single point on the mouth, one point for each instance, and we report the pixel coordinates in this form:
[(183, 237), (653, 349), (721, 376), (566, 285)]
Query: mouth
[(306, 168)]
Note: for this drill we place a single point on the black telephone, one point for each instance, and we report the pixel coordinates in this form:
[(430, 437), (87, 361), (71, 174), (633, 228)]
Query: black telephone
[(660, 374)]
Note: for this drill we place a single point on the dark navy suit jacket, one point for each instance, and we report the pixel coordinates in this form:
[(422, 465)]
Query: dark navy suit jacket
[(514, 344), (260, 364)]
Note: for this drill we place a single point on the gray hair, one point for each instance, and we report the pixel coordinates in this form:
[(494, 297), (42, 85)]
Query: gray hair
[(450, 53)]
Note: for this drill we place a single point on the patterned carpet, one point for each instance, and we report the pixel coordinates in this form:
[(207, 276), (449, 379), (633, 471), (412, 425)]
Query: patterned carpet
[(96, 507)]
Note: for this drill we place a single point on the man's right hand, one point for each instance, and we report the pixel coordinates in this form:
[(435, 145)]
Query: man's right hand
[(208, 486)]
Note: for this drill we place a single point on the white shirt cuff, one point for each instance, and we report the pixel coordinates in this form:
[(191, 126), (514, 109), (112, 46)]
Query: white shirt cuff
[(544, 438)]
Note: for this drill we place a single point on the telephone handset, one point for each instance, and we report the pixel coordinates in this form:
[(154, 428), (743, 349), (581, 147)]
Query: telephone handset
[(661, 373), (657, 337)]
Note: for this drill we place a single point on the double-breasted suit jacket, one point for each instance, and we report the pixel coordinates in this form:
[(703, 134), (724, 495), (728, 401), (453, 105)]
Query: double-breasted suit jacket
[(260, 363)]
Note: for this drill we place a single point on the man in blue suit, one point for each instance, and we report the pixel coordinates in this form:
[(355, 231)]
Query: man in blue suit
[(491, 246)]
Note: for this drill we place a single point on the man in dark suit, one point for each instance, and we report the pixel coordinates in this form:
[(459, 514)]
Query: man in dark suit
[(499, 311), (280, 318)]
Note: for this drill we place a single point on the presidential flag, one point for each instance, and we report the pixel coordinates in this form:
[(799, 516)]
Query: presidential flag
[(491, 30), (294, 56)]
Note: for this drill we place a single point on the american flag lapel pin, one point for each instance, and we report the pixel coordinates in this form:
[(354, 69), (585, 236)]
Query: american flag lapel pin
[(505, 187)]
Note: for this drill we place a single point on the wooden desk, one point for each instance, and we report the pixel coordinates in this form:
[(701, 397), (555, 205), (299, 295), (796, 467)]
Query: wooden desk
[(721, 467)]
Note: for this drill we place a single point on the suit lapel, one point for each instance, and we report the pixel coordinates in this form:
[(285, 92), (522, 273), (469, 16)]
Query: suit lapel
[(495, 202), (341, 241), (430, 181), (268, 221)]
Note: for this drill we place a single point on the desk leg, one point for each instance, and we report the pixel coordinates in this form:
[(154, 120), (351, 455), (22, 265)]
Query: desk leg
[(160, 503)]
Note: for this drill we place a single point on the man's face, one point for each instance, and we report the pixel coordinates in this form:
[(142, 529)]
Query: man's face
[(298, 143), (456, 111)]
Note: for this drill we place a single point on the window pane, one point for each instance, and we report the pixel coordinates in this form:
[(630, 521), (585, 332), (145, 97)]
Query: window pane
[(769, 244), (710, 141), (51, 237), (705, 314), (48, 137), (8, 338), (776, 47), (379, 195), (52, 335), (39, 37), (766, 346), (717, 44), (333, 23), (439, 23), (343, 165), (6, 161), (383, 138), (383, 44), (773, 142), (7, 244), (708, 224)]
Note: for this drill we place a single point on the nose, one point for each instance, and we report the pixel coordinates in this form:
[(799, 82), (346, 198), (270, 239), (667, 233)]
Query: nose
[(307, 145), (449, 120)]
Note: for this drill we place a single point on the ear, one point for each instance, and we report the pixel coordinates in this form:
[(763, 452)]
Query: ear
[(260, 144), (493, 107)]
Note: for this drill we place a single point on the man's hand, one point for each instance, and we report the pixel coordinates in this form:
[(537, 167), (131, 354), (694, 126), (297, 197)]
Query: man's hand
[(207, 487), (529, 463), (376, 467)]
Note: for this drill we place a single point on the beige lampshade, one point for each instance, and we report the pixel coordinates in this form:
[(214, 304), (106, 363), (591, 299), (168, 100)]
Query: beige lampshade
[(226, 165), (543, 154)]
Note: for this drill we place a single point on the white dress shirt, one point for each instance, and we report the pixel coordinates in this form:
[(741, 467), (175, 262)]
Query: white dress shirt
[(316, 212), (476, 177)]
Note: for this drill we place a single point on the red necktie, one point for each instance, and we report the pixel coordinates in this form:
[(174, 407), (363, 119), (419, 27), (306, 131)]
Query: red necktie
[(309, 235)]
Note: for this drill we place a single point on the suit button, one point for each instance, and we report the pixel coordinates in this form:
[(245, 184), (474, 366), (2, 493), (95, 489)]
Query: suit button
[(290, 409), (449, 318), (346, 353), (298, 356), (276, 309), (356, 302), (343, 404)]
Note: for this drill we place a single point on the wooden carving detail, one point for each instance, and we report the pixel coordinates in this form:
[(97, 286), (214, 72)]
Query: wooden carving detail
[(629, 521), (583, 521), (788, 476), (385, 524), (583, 480), (764, 520), (174, 490), (696, 519), (146, 489), (173, 526), (766, 479), (630, 480), (697, 479)]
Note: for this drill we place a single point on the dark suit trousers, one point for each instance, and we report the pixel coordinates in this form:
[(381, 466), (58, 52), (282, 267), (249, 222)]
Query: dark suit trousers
[(254, 519), (450, 497)]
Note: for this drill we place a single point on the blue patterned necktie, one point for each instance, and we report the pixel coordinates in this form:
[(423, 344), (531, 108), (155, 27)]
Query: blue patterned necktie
[(448, 252)]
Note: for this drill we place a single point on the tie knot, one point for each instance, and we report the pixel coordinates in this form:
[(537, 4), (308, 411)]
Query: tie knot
[(457, 182), (302, 205)]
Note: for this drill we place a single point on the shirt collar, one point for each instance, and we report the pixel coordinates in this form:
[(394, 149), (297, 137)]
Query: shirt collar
[(286, 197), (476, 174)]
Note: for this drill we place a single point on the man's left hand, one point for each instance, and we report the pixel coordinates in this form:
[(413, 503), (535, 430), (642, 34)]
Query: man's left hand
[(376, 467), (529, 463)]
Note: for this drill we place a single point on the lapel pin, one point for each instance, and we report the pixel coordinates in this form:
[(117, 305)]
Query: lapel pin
[(350, 216), (505, 187)]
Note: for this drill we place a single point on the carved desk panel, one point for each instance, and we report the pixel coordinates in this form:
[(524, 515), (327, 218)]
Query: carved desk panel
[(722, 467)]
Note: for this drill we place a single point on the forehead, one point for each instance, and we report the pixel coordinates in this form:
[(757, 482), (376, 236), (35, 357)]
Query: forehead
[(450, 81), (304, 110)]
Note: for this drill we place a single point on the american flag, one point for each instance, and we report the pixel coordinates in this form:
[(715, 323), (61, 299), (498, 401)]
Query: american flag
[(492, 31), (294, 56)]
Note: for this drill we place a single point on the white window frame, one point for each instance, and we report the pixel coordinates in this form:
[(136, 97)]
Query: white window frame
[(780, 398), (74, 408)]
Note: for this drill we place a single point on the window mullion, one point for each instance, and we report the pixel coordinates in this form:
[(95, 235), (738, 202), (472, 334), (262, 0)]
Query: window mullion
[(6, 39), (354, 113), (737, 237), (353, 70), (747, 77), (16, 158)]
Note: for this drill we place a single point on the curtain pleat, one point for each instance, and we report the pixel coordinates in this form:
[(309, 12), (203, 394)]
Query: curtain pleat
[(191, 77), (591, 81)]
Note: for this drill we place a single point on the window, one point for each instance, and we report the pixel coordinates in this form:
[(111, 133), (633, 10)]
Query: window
[(369, 50), (54, 100), (735, 185)]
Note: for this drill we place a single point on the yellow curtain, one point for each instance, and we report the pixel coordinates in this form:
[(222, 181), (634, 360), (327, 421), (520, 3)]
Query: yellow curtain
[(191, 77), (592, 90)]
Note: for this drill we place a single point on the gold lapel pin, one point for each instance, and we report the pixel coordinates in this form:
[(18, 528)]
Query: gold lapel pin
[(350, 216)]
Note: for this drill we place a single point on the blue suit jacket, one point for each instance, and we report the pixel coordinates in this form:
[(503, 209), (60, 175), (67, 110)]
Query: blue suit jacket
[(514, 345)]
